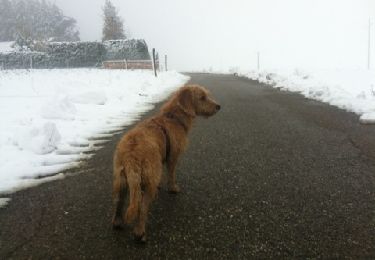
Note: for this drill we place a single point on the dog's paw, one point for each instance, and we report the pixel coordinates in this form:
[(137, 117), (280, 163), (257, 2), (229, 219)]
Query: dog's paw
[(141, 239), (174, 189), (117, 223)]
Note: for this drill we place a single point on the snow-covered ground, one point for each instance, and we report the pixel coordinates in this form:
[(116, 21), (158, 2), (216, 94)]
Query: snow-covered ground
[(49, 118), (352, 90)]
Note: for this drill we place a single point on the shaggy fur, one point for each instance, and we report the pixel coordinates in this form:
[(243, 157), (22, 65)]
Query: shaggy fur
[(141, 153)]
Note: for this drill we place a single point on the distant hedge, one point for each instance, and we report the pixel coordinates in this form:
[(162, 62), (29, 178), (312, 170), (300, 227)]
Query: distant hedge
[(75, 54)]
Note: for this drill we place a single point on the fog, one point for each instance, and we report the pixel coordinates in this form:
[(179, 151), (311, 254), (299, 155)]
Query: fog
[(199, 35)]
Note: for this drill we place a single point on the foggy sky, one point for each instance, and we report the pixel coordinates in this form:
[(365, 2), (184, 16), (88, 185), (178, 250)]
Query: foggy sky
[(199, 34)]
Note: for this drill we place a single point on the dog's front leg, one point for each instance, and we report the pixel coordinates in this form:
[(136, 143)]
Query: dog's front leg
[(171, 166)]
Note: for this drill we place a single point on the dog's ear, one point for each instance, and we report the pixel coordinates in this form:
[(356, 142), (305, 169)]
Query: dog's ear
[(185, 100)]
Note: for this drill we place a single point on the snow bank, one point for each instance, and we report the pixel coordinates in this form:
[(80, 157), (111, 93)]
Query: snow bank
[(352, 90), (4, 202), (50, 119)]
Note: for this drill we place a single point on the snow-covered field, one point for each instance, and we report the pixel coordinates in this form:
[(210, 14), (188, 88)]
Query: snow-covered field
[(51, 118), (352, 90)]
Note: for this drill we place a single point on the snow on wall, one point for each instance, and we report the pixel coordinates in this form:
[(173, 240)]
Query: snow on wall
[(6, 46)]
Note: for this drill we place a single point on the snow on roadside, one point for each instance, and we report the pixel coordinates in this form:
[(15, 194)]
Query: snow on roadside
[(4, 202), (51, 118), (352, 90)]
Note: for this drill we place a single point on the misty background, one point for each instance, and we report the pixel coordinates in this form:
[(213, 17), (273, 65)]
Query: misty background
[(199, 35)]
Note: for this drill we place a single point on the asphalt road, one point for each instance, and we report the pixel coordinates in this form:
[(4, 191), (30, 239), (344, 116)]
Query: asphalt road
[(271, 175)]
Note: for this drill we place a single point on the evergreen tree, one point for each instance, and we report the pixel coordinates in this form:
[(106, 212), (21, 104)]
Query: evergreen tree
[(113, 28)]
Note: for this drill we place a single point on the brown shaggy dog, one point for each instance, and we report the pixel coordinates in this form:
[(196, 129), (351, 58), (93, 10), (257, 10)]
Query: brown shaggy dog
[(141, 153)]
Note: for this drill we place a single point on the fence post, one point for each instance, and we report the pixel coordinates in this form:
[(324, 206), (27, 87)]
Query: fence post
[(153, 61), (31, 61)]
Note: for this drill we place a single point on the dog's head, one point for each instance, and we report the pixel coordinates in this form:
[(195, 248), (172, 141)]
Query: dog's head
[(195, 100)]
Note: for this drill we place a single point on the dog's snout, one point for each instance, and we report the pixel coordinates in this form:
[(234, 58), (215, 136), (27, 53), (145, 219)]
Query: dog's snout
[(218, 107)]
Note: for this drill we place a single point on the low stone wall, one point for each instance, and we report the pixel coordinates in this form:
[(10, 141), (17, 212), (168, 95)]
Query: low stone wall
[(74, 54)]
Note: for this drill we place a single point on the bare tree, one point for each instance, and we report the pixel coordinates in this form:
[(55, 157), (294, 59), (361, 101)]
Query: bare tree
[(29, 20), (113, 27), (7, 21)]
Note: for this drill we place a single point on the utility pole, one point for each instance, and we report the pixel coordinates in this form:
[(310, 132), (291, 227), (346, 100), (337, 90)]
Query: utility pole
[(258, 65), (369, 44)]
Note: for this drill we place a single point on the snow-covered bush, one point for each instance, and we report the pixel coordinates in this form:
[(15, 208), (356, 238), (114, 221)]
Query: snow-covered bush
[(132, 49), (74, 54)]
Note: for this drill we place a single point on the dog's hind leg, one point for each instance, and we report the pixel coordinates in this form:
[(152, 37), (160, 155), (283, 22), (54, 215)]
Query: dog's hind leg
[(119, 194), (150, 190), (140, 227)]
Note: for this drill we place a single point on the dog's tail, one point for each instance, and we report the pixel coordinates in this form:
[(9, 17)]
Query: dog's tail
[(133, 176), (119, 194)]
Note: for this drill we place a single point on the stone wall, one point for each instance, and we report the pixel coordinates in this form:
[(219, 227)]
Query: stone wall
[(74, 54)]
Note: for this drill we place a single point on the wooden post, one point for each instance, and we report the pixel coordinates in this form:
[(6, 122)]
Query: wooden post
[(165, 62), (153, 61)]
